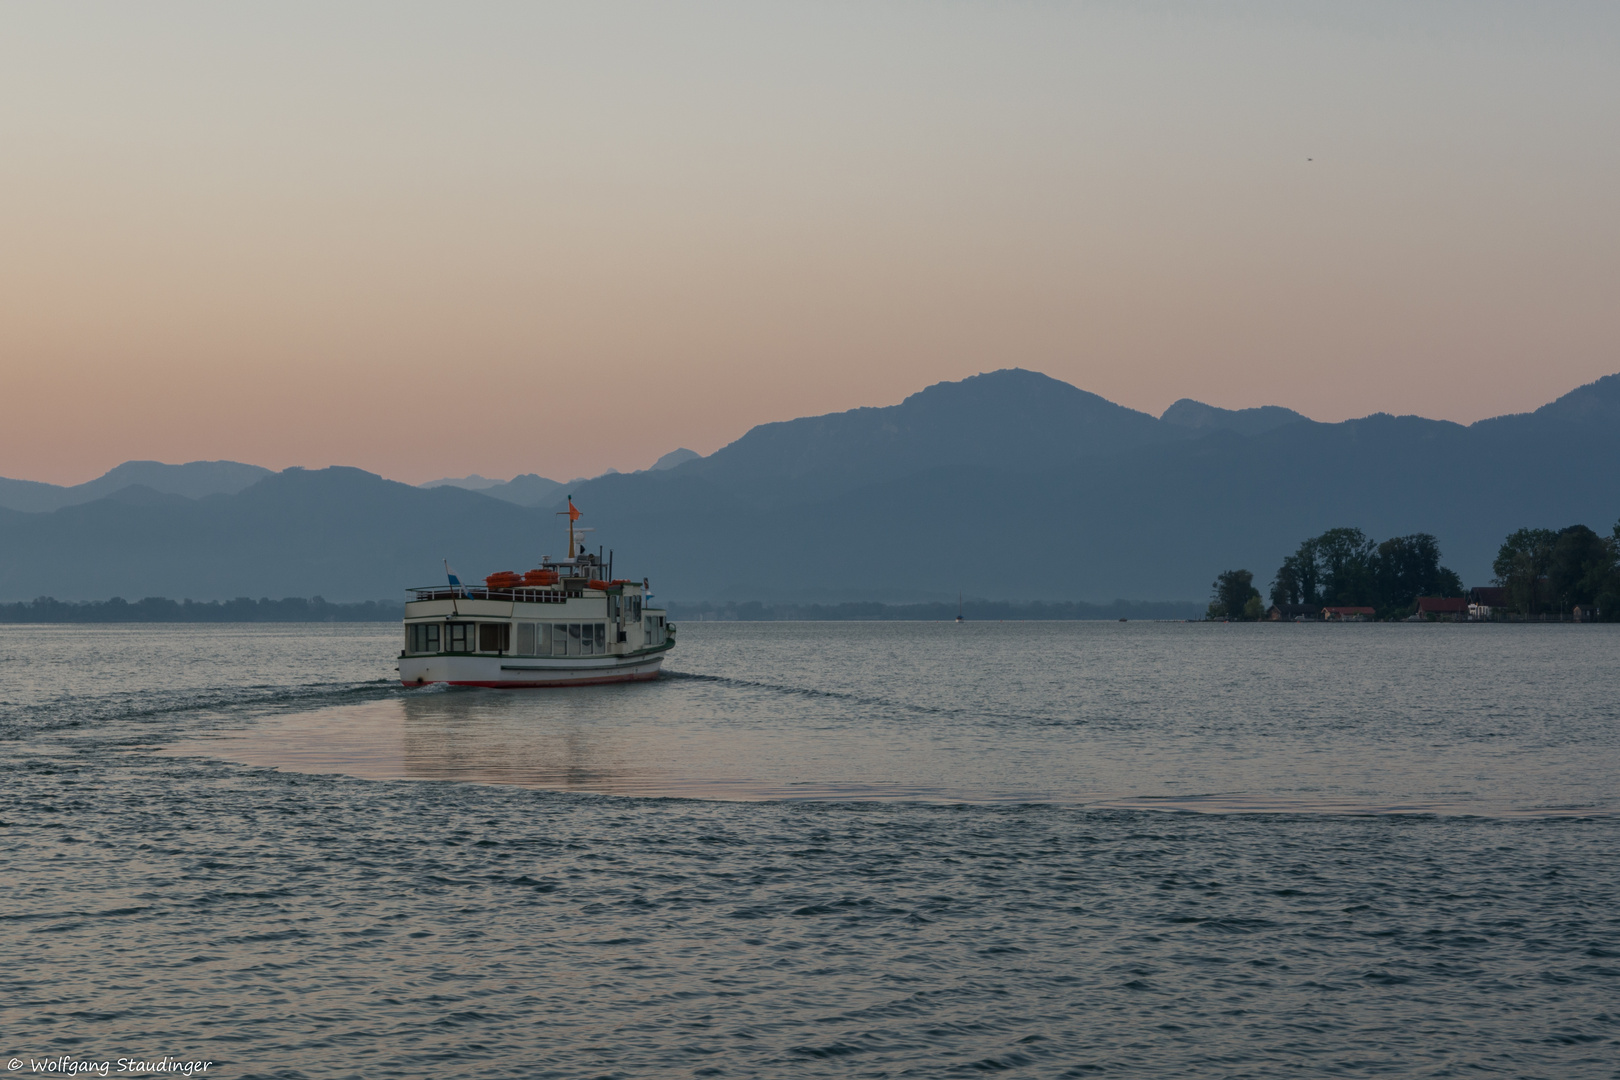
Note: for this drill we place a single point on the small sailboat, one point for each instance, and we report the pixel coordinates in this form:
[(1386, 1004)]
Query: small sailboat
[(959, 608)]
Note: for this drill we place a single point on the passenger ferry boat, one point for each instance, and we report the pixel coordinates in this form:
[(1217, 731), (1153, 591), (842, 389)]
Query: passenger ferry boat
[(567, 623)]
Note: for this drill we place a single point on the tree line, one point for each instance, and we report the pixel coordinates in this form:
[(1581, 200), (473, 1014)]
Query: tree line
[(1541, 571), (46, 609)]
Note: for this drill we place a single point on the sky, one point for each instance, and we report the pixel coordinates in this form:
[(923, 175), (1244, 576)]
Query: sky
[(435, 239)]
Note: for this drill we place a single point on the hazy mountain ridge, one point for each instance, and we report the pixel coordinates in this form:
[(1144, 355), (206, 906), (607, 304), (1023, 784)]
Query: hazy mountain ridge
[(338, 532), (193, 480), (1597, 402), (974, 486)]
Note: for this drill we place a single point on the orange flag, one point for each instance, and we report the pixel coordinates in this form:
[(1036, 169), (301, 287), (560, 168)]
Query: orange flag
[(573, 511)]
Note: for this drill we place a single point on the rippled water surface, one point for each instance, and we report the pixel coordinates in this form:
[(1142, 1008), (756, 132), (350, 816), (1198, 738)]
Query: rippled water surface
[(820, 850)]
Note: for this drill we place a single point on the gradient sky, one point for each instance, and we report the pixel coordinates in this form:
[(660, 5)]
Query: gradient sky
[(433, 239)]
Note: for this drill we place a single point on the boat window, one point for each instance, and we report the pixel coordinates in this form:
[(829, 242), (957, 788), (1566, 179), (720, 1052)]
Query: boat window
[(635, 607), (525, 639), (559, 639), (545, 640), (573, 639), (422, 638), (601, 637), (459, 636), (494, 636)]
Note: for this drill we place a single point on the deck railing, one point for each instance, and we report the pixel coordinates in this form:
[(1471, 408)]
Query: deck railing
[(519, 595)]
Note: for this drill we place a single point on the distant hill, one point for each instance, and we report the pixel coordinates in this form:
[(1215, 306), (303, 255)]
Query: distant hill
[(1188, 413), (1011, 486), (1016, 420), (192, 480), (468, 483), (674, 458), (532, 489)]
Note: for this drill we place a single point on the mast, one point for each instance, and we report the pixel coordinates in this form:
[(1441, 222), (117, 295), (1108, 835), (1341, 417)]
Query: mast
[(573, 516)]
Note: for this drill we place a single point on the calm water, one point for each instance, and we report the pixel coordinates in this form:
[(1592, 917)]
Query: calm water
[(821, 850)]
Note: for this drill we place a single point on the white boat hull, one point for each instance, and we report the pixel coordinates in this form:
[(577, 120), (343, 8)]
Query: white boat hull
[(519, 672)]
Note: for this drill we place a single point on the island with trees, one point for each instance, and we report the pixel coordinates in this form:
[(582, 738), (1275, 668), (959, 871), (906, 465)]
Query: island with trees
[(1540, 574)]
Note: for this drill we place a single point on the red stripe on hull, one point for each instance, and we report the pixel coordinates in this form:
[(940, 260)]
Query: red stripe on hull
[(603, 681)]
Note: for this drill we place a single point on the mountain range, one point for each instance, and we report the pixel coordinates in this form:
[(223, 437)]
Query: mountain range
[(192, 480), (1009, 485)]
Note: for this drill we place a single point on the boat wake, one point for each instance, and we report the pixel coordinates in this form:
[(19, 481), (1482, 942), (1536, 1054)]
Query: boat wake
[(811, 693)]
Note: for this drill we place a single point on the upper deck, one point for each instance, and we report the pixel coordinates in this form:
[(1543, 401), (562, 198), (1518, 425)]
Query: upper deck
[(559, 580)]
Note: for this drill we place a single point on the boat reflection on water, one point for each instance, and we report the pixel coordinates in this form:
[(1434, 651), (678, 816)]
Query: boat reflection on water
[(567, 745)]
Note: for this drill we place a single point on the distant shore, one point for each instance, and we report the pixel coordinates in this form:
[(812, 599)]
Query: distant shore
[(158, 609), (316, 609), (971, 610)]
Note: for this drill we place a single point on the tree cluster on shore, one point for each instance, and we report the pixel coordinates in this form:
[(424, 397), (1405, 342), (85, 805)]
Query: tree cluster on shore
[(1545, 571), (1343, 568), (1540, 570)]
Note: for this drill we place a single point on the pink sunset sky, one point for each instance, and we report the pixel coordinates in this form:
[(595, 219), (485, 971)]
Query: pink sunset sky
[(435, 239)]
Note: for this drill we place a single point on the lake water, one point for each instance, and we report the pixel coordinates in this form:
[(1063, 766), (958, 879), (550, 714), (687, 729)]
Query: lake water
[(828, 849)]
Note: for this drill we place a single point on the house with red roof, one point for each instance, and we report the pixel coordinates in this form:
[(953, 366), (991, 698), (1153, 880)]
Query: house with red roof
[(1453, 608)]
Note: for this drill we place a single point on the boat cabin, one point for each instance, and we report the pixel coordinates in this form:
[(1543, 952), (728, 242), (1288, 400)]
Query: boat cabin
[(565, 608)]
